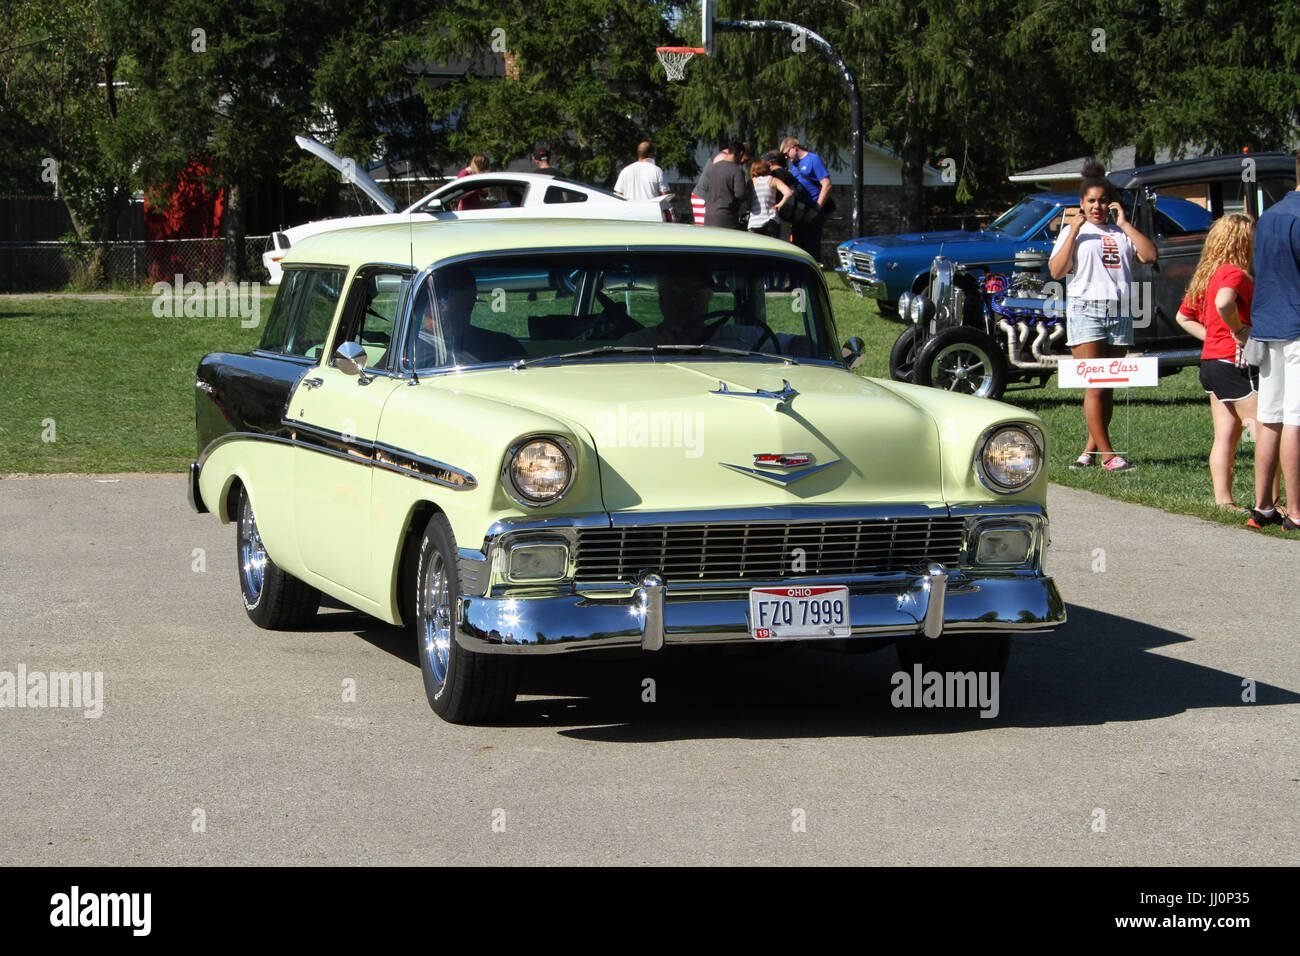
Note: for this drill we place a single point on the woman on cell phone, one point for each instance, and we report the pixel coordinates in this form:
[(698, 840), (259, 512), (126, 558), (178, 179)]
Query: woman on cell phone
[(1095, 256)]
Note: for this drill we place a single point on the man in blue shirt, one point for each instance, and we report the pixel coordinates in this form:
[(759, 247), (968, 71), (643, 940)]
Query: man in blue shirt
[(811, 173), (1275, 321)]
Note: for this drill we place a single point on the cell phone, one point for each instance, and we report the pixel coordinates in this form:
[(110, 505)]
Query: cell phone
[(1111, 216)]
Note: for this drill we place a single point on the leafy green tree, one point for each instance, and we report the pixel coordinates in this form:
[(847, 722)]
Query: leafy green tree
[(581, 75), (65, 115)]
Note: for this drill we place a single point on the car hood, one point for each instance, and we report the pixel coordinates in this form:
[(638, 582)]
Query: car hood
[(665, 437), (351, 172), (929, 239)]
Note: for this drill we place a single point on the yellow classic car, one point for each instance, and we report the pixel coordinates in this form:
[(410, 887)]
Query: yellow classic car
[(533, 437)]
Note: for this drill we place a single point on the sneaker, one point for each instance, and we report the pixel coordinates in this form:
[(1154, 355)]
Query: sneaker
[(1118, 463), (1289, 525), (1083, 461), (1258, 519)]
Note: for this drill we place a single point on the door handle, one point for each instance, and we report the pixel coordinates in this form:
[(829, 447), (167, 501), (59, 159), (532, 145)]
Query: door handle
[(313, 382)]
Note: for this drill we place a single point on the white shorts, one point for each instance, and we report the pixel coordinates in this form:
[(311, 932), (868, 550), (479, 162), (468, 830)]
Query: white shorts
[(1279, 384)]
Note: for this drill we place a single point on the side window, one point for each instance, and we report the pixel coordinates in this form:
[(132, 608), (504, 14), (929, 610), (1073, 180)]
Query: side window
[(1066, 214), (291, 285), (371, 313), (558, 194), (314, 311), (1198, 193)]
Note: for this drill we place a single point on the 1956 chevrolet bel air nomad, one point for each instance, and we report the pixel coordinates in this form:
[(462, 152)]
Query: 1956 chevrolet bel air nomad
[(545, 436)]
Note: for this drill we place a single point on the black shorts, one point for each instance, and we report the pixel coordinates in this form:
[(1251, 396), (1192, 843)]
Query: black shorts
[(1227, 381)]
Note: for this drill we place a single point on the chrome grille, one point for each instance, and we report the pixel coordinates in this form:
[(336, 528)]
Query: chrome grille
[(864, 263), (686, 553)]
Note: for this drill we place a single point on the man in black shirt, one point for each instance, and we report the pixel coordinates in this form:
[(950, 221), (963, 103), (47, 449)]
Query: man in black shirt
[(726, 186)]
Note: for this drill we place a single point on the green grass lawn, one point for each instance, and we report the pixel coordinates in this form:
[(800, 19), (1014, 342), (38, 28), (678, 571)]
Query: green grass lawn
[(118, 383)]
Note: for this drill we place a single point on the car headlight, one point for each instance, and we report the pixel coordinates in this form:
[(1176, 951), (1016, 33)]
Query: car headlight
[(1009, 457), (538, 471), (1004, 541), (905, 306), (917, 308)]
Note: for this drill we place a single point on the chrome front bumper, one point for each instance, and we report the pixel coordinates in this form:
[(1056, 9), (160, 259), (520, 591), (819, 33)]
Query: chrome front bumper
[(868, 288), (934, 603)]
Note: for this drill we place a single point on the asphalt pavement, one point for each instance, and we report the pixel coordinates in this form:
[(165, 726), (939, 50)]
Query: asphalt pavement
[(1159, 726)]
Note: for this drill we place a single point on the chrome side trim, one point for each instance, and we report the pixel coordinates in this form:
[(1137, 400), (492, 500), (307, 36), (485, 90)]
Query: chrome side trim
[(417, 466), (371, 454)]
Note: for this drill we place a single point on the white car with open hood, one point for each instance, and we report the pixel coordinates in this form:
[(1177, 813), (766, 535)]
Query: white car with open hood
[(483, 196)]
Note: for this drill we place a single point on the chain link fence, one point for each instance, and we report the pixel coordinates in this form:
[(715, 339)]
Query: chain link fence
[(85, 267)]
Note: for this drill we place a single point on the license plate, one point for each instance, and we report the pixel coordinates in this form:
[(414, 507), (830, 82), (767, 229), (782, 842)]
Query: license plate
[(786, 614)]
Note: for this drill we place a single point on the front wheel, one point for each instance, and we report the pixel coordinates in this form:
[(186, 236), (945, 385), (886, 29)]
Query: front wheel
[(986, 653), (962, 360), (463, 687), (274, 599)]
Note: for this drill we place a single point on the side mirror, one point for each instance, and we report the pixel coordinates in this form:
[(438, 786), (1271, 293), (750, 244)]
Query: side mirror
[(855, 351), (433, 205), (350, 358)]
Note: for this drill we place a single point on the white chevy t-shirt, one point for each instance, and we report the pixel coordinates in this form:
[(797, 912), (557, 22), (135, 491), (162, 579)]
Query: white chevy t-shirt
[(641, 180), (1102, 268)]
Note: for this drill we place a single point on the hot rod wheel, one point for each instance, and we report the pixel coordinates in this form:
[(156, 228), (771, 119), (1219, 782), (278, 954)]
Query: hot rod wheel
[(462, 687), (272, 598), (962, 360), (902, 357)]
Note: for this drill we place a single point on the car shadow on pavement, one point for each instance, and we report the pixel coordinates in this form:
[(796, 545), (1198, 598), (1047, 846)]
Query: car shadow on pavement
[(1098, 668)]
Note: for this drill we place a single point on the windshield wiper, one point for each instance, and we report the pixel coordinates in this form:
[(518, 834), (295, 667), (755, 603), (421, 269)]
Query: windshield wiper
[(725, 350), (645, 349), (583, 353)]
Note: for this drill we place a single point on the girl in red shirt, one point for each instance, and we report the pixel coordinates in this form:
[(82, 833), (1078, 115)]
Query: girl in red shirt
[(1217, 311)]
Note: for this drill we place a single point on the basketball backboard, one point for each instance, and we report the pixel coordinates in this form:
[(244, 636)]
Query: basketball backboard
[(708, 10)]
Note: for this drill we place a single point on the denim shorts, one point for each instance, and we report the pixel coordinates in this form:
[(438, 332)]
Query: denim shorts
[(1096, 320)]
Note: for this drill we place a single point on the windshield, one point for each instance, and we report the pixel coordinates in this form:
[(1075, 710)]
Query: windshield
[(616, 304), (1021, 217)]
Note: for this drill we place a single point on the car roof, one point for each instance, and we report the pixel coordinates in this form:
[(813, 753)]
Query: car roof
[(1204, 167), (422, 244), (535, 178)]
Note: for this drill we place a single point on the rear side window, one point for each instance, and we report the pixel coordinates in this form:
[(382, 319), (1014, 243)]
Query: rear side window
[(290, 287), (558, 194), (303, 311)]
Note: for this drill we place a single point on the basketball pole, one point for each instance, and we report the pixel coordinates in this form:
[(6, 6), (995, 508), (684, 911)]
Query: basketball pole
[(846, 77)]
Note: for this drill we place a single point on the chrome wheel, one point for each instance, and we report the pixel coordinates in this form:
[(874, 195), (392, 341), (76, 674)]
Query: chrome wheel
[(252, 556), (961, 368), (435, 616)]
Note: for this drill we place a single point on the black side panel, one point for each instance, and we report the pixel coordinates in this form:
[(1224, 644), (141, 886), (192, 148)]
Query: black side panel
[(246, 393)]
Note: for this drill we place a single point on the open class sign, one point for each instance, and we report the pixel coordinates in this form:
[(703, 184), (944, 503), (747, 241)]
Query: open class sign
[(1126, 372)]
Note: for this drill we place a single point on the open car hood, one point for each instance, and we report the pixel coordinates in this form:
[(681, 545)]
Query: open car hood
[(353, 173)]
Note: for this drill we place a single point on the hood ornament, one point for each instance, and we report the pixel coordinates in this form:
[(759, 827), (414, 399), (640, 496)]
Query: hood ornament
[(787, 460), (787, 392)]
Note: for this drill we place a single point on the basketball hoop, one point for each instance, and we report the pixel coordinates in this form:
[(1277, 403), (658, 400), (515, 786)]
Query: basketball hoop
[(675, 58)]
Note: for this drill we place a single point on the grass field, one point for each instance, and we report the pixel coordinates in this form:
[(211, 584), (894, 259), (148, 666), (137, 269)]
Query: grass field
[(118, 384)]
